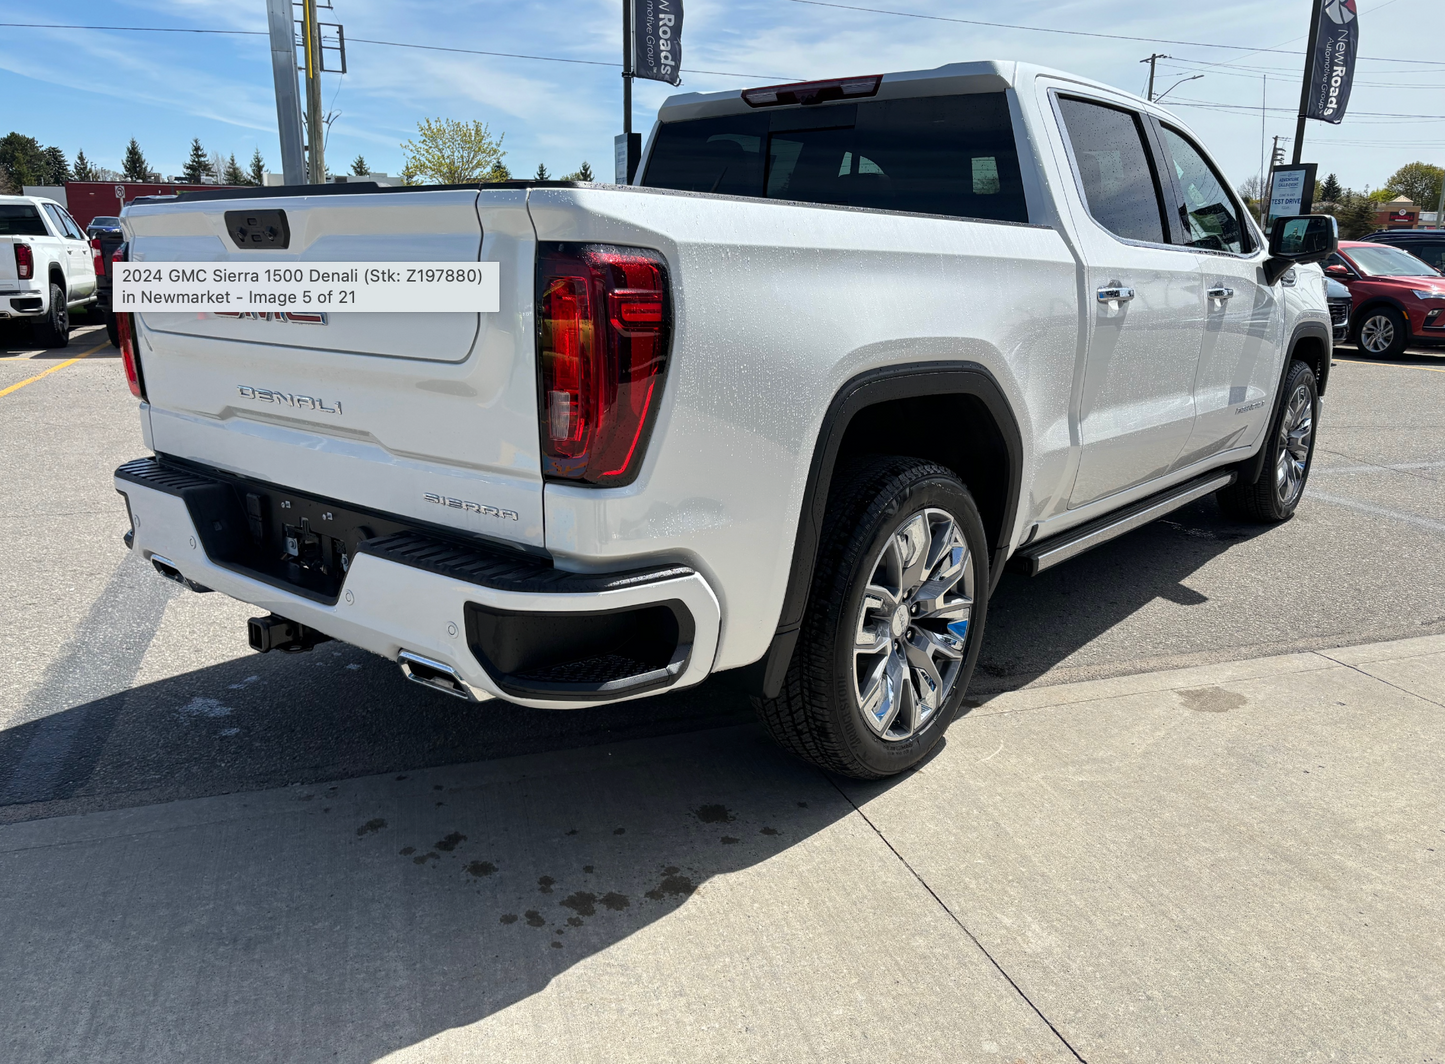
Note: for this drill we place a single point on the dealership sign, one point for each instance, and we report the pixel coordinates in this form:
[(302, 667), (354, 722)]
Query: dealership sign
[(657, 40), (1332, 60)]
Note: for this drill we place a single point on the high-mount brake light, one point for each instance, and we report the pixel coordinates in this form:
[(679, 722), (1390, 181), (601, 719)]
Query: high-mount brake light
[(24, 262), (98, 256), (604, 324), (125, 329), (810, 92)]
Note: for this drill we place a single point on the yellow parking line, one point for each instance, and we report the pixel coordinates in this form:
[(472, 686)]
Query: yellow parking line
[(59, 366), (1358, 362)]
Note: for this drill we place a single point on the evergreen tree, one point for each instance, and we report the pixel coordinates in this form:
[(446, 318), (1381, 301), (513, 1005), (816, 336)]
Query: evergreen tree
[(542, 174), (197, 167), (83, 170), (134, 165), (258, 168), (24, 161), (498, 172), (57, 167), (582, 173), (233, 174), (1330, 190), (359, 168), (1357, 216)]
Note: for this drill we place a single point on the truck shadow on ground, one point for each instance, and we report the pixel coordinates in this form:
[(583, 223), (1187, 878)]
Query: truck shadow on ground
[(348, 921), (1034, 623)]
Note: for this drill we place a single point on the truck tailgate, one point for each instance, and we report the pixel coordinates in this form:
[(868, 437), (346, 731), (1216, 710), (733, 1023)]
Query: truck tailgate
[(391, 412)]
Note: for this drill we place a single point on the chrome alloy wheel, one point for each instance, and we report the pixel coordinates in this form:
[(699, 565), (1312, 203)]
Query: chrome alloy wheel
[(1377, 334), (912, 626), (1296, 429)]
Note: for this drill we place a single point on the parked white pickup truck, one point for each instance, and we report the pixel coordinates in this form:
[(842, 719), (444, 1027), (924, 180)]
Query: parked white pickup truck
[(47, 266), (788, 406)]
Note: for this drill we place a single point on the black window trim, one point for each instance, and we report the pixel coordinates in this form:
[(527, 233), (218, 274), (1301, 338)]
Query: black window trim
[(1149, 150), (1157, 132)]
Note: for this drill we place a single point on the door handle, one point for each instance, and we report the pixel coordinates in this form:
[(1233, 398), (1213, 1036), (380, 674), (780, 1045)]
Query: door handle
[(1221, 293), (1115, 294)]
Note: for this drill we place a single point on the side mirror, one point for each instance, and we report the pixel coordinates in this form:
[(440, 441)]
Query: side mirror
[(1299, 239), (1340, 272)]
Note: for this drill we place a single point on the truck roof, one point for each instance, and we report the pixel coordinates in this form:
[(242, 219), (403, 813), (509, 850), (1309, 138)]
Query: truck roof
[(987, 75)]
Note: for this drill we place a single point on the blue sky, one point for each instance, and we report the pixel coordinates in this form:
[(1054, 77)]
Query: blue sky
[(94, 90)]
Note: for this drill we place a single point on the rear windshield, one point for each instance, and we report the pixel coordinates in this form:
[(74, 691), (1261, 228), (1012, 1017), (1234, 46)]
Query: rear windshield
[(106, 221), (1385, 261), (21, 219), (936, 155)]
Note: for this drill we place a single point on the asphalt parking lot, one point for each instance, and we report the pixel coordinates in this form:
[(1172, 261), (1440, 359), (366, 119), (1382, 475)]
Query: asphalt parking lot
[(249, 835)]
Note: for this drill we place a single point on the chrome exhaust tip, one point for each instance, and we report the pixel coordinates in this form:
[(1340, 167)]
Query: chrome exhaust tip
[(438, 677)]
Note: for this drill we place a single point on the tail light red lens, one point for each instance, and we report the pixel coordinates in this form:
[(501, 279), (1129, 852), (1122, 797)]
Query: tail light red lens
[(98, 256), (24, 262), (124, 326), (604, 324)]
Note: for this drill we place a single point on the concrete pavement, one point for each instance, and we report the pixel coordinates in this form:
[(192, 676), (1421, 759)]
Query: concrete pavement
[(1234, 862)]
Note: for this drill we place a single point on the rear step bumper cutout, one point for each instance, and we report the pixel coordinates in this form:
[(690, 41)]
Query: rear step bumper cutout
[(505, 624), (1047, 553)]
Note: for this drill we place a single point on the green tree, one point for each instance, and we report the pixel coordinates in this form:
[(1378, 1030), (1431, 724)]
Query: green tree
[(359, 167), (1419, 181), (1356, 215), (542, 174), (233, 174), (498, 172), (83, 170), (24, 160), (448, 152), (258, 168), (582, 173), (1329, 190), (57, 167), (134, 165), (198, 166)]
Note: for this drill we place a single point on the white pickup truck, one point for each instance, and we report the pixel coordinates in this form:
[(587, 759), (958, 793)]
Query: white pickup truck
[(787, 406), (47, 267)]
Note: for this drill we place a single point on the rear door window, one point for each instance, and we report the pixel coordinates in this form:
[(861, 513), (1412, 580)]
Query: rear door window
[(1432, 253), (1208, 215), (1115, 168), (952, 155), (21, 219)]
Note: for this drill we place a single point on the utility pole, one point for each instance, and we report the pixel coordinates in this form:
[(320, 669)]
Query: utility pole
[(1304, 92), (288, 100), (1151, 61), (315, 125), (1263, 99)]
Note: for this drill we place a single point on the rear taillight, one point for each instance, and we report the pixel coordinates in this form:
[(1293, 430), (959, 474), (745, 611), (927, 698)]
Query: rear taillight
[(98, 256), (603, 328), (128, 357), (24, 262), (125, 330)]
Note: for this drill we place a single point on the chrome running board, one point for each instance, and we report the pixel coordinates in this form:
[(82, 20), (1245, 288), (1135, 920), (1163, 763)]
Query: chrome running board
[(1046, 554)]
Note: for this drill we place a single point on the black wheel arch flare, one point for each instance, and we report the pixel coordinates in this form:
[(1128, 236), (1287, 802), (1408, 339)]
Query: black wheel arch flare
[(872, 389)]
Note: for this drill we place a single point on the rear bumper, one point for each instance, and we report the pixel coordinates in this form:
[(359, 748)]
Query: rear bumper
[(456, 603)]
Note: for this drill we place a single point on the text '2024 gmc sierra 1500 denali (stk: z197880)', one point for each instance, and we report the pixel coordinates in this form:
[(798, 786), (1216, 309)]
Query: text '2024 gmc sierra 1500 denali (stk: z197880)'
[(787, 405)]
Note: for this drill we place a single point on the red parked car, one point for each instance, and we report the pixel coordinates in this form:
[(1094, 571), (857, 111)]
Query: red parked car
[(1399, 300)]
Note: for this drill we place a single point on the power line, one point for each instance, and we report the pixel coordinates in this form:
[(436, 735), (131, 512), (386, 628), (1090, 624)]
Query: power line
[(387, 44), (1084, 33)]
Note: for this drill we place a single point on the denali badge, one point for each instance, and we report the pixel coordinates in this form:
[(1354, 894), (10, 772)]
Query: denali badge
[(472, 507), (299, 402)]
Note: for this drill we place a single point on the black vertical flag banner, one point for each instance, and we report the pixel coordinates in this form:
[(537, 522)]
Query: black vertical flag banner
[(657, 39), (1332, 61)]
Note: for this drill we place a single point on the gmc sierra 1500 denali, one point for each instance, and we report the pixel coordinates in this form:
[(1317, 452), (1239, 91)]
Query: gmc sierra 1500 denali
[(788, 405)]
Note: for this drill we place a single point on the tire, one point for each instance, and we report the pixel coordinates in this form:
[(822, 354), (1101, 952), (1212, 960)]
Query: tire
[(54, 329), (1382, 332), (112, 331), (888, 518), (1289, 450)]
